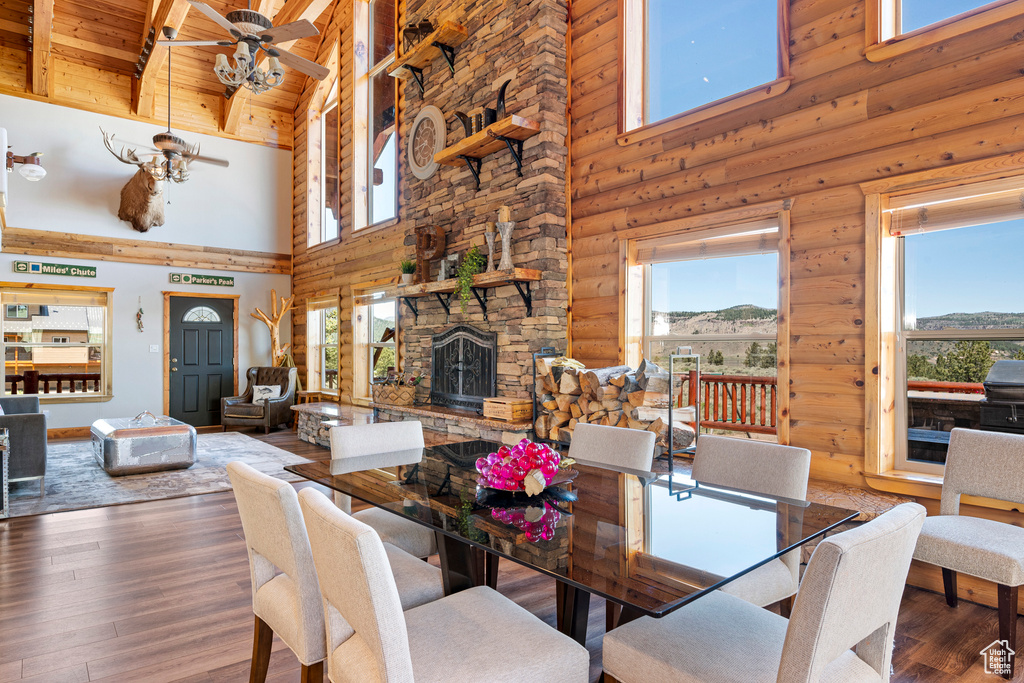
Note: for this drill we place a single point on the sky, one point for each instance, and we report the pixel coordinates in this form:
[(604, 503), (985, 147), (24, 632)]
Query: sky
[(700, 51), (966, 270), (714, 284)]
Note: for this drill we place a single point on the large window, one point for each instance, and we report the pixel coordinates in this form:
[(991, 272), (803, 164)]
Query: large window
[(382, 140), (322, 353), (716, 291), (961, 308), (681, 55), (376, 332), (324, 170), (56, 342)]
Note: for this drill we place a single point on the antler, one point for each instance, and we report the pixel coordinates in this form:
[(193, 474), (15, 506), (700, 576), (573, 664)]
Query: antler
[(127, 157)]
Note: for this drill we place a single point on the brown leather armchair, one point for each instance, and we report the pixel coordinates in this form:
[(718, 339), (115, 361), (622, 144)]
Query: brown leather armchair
[(240, 411)]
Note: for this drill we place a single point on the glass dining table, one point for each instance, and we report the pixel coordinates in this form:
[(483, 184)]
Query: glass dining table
[(649, 542)]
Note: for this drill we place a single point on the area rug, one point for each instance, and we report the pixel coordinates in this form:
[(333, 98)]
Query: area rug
[(75, 481)]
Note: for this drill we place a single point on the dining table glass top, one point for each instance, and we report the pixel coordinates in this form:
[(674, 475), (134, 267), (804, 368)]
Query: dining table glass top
[(645, 540)]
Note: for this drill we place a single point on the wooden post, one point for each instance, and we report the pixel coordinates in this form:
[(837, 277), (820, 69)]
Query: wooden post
[(273, 321)]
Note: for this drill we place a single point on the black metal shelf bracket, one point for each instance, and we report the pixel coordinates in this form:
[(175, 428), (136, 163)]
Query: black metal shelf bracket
[(526, 296), (481, 296), (445, 303), (410, 302), (516, 150), (474, 167), (449, 54), (417, 75)]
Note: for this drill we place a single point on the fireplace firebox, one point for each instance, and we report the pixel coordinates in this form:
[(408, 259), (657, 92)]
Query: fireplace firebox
[(464, 367)]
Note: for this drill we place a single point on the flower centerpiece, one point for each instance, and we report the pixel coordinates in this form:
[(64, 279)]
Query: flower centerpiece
[(537, 522), (527, 468)]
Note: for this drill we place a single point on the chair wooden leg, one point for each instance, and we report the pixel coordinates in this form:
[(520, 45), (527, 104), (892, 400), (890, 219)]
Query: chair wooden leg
[(786, 606), (262, 640), (266, 430), (314, 673), (949, 585), (611, 615), (1008, 620), (607, 678)]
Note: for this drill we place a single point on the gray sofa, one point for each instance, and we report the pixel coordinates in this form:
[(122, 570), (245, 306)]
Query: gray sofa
[(26, 429), (240, 411)]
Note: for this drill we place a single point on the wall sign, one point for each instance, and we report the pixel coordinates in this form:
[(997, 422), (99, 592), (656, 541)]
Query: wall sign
[(34, 268), (197, 279)]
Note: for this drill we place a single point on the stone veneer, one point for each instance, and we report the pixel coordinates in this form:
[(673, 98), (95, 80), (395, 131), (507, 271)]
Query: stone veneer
[(457, 423), (523, 41)]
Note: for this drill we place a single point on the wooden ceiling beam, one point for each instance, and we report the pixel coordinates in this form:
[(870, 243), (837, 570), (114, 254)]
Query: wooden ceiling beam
[(41, 51), (166, 13), (293, 10), (326, 56)]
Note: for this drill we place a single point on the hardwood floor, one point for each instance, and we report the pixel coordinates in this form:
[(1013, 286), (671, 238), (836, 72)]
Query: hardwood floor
[(159, 591)]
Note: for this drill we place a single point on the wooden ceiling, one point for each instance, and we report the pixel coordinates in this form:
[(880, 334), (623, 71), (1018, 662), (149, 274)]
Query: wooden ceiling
[(85, 54)]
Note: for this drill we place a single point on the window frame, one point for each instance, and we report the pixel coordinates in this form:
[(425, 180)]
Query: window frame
[(632, 71), (633, 287), (884, 41), (363, 163), (333, 102), (316, 347), (106, 392), (881, 311), (324, 96), (363, 346)]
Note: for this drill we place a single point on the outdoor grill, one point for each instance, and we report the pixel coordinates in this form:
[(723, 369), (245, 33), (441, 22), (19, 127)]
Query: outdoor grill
[(1003, 407)]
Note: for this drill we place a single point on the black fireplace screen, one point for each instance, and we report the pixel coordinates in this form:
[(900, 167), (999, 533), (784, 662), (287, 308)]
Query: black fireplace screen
[(464, 367)]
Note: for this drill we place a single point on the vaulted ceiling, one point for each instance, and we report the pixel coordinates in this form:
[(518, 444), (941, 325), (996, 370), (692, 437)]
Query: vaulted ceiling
[(89, 54)]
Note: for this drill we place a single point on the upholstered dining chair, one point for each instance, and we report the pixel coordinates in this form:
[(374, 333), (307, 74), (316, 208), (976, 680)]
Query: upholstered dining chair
[(987, 465), (285, 590), (768, 469), (841, 629), (614, 446), (473, 635), (383, 444)]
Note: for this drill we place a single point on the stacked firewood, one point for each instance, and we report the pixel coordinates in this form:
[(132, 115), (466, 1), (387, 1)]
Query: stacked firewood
[(616, 396)]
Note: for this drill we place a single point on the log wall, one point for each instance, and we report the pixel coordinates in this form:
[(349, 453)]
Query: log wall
[(843, 121)]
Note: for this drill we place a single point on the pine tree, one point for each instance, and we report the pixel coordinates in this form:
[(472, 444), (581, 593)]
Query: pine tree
[(969, 361)]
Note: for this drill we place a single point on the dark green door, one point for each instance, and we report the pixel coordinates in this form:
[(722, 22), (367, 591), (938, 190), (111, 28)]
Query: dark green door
[(201, 350)]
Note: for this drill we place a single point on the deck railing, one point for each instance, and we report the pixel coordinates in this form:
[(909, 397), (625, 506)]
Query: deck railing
[(34, 382), (738, 403), (946, 387)]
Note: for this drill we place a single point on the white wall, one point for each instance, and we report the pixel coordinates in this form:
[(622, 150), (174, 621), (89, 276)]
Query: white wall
[(246, 206)]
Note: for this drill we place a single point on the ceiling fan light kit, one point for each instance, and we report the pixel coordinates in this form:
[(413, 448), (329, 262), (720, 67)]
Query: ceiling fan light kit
[(253, 33)]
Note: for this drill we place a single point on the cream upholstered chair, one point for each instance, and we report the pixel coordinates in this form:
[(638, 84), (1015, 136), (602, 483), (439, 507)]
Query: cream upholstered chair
[(769, 469), (615, 446), (988, 465), (384, 444), (841, 630), (285, 591), (473, 635)]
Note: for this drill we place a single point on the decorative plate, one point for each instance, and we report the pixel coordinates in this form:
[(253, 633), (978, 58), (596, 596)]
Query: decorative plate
[(427, 138)]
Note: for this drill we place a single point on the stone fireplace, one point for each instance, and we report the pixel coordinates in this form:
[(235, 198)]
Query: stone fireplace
[(463, 368)]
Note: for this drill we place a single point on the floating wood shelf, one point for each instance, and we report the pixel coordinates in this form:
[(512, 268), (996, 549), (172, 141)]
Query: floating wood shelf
[(520, 277), (441, 43), (509, 132)]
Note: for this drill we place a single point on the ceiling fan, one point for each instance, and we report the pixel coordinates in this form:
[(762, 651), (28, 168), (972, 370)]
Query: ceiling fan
[(252, 33)]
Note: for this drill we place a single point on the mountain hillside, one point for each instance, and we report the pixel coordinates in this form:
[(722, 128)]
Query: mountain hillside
[(742, 319)]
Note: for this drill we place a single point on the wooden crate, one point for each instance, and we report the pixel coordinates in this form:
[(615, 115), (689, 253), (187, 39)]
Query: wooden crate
[(395, 395), (508, 409)]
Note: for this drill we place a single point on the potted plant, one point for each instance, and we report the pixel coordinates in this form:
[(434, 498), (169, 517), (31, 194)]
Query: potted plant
[(408, 269), (472, 263)]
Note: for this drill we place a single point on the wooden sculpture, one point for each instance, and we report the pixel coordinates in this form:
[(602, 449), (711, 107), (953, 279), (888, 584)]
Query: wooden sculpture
[(273, 321), (430, 243)]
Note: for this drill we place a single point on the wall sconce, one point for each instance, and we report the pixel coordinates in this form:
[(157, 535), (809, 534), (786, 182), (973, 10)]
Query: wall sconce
[(31, 165)]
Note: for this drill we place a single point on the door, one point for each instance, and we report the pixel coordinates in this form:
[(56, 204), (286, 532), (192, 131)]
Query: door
[(201, 353)]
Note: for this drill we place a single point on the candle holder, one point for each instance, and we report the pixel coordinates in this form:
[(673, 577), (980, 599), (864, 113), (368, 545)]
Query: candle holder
[(505, 230), (489, 236)]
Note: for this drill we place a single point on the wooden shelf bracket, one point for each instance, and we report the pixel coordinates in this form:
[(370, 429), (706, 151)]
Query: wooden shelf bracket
[(442, 41)]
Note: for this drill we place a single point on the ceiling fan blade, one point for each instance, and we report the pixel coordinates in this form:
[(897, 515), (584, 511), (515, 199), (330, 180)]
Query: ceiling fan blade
[(208, 160), (301, 64), (193, 43), (293, 31), (215, 16)]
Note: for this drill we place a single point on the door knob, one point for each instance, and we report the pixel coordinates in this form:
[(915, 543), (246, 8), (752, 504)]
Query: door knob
[(174, 369), (174, 360)]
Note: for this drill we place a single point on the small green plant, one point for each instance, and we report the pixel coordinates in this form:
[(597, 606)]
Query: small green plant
[(408, 267), (472, 263)]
